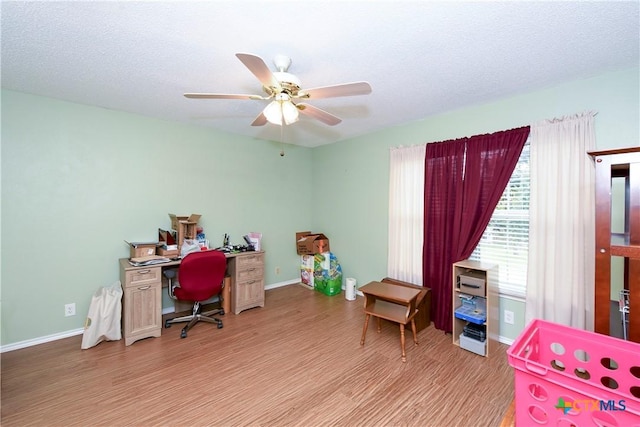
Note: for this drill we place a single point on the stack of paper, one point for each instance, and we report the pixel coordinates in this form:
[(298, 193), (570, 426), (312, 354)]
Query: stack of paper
[(148, 260)]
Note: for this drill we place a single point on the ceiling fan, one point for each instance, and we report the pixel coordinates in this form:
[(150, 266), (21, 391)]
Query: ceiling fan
[(286, 94)]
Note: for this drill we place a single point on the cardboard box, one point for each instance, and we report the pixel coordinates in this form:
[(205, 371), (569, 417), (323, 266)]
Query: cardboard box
[(138, 249), (176, 219), (186, 230), (185, 226), (169, 253), (308, 243)]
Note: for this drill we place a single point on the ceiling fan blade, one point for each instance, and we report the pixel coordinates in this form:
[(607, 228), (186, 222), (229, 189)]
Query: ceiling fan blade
[(346, 89), (261, 120), (221, 96), (317, 113), (257, 66)]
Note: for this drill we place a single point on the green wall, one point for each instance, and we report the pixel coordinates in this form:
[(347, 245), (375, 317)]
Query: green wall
[(77, 181), (354, 174)]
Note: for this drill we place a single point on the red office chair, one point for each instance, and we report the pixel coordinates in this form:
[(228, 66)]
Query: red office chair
[(201, 276)]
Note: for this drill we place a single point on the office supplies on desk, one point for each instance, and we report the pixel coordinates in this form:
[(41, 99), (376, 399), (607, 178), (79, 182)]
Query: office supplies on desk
[(247, 239), (228, 248), (148, 260), (167, 238), (190, 246), (256, 239), (235, 249)]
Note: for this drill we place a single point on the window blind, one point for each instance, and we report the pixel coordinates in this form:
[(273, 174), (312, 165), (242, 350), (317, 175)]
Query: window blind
[(505, 241)]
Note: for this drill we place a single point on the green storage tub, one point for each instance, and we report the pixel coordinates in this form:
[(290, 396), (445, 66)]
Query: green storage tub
[(328, 286)]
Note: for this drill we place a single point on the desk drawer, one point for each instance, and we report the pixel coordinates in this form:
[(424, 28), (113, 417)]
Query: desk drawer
[(142, 276), (249, 261), (249, 274)]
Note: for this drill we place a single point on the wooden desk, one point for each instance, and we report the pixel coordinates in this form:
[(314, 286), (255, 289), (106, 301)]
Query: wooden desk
[(142, 286), (390, 302)]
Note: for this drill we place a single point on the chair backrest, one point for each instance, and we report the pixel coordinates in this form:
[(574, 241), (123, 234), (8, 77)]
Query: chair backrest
[(201, 275)]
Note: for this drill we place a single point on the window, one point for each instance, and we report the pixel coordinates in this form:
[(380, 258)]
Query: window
[(506, 239)]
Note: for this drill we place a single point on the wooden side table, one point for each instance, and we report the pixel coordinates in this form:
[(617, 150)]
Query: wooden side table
[(390, 302)]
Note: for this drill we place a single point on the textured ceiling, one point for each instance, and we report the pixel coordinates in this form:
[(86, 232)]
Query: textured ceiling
[(421, 58)]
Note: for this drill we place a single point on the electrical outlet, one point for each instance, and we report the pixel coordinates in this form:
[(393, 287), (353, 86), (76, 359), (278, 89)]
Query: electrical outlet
[(277, 270), (70, 309), (508, 317)]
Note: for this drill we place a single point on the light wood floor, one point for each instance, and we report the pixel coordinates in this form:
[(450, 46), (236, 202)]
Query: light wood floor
[(295, 362)]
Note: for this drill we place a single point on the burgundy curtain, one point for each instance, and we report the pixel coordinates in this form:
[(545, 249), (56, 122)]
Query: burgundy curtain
[(444, 169), (464, 180)]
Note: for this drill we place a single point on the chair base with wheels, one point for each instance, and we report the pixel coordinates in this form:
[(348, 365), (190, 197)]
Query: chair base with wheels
[(196, 317)]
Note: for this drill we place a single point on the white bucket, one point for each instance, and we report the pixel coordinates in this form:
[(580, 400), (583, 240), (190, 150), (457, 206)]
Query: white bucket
[(350, 289)]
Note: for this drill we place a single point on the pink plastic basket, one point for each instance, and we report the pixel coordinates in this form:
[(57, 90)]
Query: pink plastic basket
[(570, 377)]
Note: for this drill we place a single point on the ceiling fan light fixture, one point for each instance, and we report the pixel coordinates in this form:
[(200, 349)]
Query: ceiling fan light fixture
[(273, 113), (281, 110), (289, 112)]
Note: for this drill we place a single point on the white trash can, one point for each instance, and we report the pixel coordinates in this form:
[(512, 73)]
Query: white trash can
[(350, 289)]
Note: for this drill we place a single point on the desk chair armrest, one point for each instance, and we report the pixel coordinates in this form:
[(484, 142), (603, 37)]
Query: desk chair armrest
[(170, 274)]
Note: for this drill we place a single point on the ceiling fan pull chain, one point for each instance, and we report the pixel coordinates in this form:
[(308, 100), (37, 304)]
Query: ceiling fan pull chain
[(282, 140)]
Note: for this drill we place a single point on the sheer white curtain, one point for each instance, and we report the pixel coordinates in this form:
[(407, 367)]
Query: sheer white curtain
[(560, 279), (406, 212)]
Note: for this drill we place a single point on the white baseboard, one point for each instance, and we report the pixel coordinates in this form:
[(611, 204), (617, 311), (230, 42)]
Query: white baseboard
[(41, 340), (505, 340), (281, 284)]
